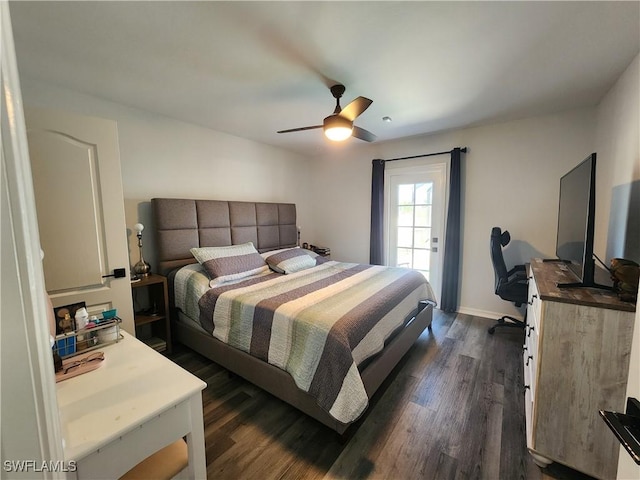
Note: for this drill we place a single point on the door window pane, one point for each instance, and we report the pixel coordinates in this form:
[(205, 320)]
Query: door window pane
[(405, 237), (423, 216), (424, 193), (405, 216), (404, 257), (405, 194)]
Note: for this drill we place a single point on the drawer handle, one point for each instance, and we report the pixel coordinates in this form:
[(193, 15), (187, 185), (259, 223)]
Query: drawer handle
[(526, 387), (532, 298), (530, 330), (529, 358)]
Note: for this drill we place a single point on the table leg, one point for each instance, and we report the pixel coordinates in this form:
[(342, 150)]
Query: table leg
[(195, 440)]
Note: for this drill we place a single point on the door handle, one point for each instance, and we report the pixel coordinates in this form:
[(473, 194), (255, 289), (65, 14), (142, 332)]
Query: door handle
[(117, 273)]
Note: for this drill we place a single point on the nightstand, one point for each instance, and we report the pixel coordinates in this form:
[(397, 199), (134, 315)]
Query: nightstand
[(151, 306), (322, 251)]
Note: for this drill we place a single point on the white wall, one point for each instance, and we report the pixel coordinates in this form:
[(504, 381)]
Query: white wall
[(511, 178), (618, 142), (162, 157)]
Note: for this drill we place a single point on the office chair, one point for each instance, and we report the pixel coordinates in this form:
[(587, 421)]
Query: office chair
[(510, 285)]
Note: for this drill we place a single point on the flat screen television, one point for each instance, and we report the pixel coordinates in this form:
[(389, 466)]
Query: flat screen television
[(576, 222)]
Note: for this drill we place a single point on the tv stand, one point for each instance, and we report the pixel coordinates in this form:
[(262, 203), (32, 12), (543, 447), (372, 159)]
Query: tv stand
[(589, 278)]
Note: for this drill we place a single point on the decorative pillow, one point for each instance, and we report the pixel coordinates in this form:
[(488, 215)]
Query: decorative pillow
[(224, 264), (319, 258), (269, 253), (289, 260)]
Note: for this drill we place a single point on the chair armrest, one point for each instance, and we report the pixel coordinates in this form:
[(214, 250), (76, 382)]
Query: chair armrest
[(517, 274), (518, 269)]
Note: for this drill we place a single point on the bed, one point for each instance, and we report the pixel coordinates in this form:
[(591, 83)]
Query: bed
[(319, 334)]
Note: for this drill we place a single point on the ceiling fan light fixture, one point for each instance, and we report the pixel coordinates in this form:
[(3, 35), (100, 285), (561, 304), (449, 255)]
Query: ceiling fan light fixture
[(337, 128)]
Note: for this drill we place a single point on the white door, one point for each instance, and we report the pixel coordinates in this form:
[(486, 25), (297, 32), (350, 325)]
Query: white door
[(415, 213), (75, 163)]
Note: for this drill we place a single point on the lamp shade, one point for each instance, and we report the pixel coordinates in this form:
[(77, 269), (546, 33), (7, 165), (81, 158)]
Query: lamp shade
[(337, 128)]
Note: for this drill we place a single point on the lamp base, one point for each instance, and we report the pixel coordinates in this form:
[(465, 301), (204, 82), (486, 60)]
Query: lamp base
[(142, 269)]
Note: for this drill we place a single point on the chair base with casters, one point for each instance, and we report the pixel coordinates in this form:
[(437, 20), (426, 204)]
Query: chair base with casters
[(512, 322), (510, 285)]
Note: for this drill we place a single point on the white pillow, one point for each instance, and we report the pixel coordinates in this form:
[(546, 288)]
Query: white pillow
[(224, 264)]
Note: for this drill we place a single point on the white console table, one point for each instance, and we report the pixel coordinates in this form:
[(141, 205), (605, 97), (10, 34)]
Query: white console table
[(136, 403), (576, 362)]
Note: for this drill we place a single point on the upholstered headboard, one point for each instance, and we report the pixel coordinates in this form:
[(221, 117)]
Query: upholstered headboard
[(182, 224)]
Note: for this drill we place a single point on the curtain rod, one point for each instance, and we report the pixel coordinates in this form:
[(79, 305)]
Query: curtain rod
[(463, 150)]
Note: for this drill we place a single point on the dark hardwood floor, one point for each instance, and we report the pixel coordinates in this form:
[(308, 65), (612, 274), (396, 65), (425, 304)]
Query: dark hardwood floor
[(452, 409)]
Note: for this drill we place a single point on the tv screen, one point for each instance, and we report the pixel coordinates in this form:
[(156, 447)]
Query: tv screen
[(576, 219)]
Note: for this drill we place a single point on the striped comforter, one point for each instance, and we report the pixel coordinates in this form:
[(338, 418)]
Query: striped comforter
[(319, 324)]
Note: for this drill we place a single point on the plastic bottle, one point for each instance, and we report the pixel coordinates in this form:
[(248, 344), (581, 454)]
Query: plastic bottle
[(81, 322), (81, 318), (92, 337)]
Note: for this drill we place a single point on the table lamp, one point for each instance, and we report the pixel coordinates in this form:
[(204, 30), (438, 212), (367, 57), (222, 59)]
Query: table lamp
[(142, 268)]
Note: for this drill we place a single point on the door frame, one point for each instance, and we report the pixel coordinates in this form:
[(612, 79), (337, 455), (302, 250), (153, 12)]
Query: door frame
[(28, 385), (434, 168)]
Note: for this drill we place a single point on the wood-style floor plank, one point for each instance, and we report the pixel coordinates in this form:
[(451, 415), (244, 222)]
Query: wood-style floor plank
[(452, 409)]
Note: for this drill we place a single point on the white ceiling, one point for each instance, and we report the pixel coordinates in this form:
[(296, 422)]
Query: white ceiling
[(251, 68)]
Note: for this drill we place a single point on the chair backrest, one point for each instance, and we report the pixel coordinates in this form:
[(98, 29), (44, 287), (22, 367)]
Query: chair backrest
[(498, 240)]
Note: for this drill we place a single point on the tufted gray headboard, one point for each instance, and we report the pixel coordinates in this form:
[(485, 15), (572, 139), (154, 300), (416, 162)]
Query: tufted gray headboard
[(182, 224)]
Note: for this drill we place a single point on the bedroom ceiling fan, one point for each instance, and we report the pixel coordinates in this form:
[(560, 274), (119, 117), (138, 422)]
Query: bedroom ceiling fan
[(339, 125)]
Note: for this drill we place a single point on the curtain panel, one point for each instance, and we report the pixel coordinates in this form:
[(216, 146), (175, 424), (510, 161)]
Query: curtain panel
[(451, 262), (376, 247)]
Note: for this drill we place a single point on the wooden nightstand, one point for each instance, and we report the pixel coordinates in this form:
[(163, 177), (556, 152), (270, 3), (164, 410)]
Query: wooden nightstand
[(152, 318)]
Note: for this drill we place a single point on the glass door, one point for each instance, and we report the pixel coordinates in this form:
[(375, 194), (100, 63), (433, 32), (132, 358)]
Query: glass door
[(415, 213)]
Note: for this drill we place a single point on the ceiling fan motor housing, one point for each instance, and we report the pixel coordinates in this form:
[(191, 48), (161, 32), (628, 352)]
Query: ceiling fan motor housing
[(337, 128), (336, 121)]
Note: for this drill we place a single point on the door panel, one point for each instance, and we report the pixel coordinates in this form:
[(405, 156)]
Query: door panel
[(75, 249), (80, 206)]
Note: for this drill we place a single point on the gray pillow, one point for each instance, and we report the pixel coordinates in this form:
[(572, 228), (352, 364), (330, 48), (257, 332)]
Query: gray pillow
[(235, 262)]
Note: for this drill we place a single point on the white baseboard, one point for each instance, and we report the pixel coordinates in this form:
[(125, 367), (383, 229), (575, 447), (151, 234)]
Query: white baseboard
[(487, 314)]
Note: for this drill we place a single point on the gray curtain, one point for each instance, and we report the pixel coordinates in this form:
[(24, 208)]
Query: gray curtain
[(376, 248), (451, 263)]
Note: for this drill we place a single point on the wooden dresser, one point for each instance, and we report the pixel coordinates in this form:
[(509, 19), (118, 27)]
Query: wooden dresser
[(576, 362)]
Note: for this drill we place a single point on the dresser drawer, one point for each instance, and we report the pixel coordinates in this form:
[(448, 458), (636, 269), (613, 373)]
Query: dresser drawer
[(528, 416), (531, 357)]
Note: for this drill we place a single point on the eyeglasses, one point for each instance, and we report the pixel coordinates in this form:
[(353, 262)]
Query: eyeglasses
[(94, 357)]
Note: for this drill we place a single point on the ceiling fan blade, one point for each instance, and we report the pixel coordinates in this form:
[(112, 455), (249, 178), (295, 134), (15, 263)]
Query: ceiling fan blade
[(363, 134), (299, 129), (355, 108)]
